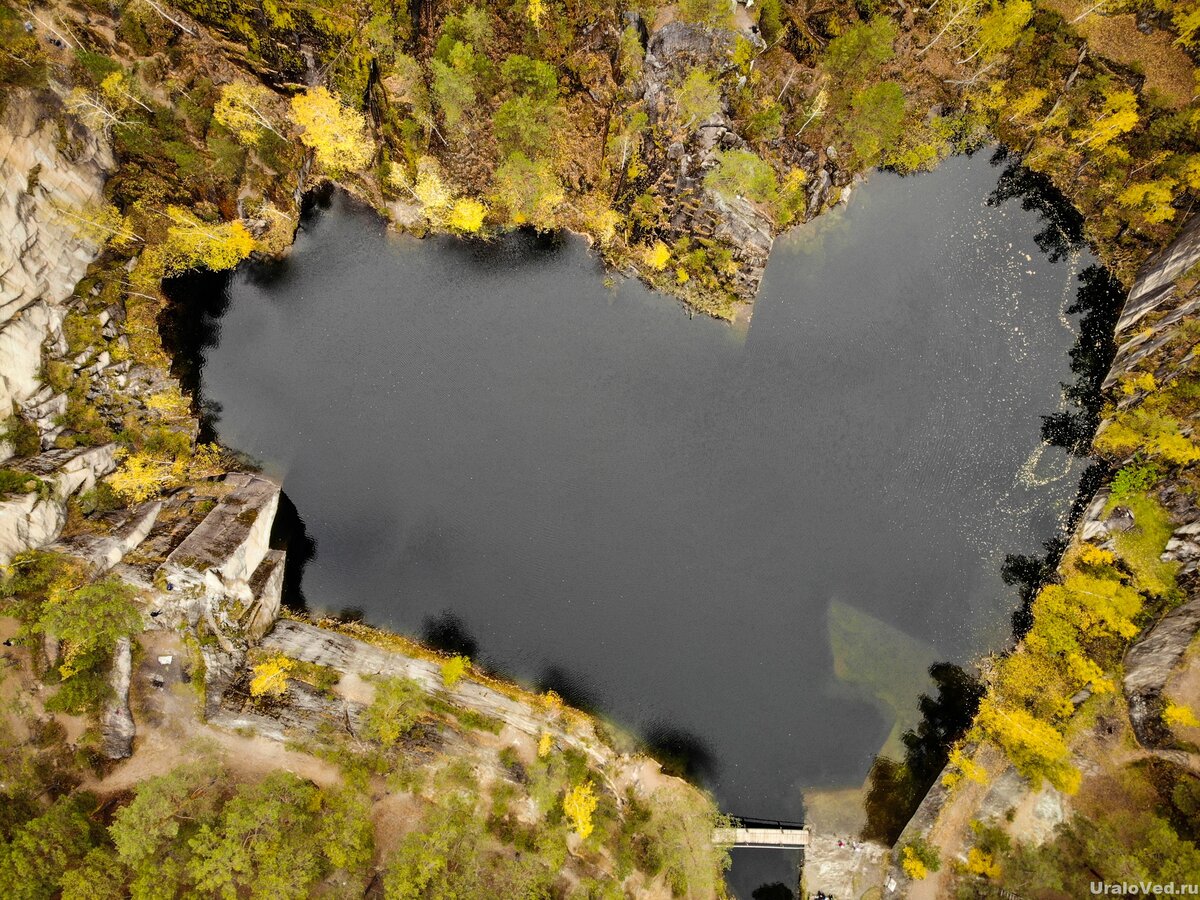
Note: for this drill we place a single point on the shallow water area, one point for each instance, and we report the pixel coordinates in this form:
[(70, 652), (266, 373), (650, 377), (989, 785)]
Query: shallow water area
[(746, 545)]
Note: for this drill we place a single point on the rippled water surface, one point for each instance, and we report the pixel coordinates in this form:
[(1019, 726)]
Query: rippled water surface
[(748, 545)]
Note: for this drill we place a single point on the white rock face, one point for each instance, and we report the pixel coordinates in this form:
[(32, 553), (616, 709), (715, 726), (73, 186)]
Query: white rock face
[(230, 544), (29, 521), (43, 249)]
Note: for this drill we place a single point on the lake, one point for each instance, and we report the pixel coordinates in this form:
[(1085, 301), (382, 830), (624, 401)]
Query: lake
[(745, 545)]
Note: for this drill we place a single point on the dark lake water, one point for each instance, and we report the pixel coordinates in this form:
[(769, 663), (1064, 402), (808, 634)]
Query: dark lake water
[(748, 545)]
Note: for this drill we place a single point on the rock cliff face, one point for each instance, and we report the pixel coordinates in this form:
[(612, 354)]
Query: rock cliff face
[(51, 176), (35, 519), (1157, 305)]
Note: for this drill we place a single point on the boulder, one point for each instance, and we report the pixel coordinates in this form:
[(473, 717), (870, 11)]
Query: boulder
[(116, 722)]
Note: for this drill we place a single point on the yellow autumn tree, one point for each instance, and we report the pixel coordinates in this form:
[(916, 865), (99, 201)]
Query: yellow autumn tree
[(1091, 555), (430, 188), (195, 244), (1026, 104), (101, 223), (142, 476), (1176, 715), (962, 766), (453, 670), (271, 676), (982, 864), (466, 216), (545, 745), (913, 867), (1036, 749), (335, 134), (243, 108), (579, 804), (535, 11), (1151, 199), (1118, 114), (658, 256)]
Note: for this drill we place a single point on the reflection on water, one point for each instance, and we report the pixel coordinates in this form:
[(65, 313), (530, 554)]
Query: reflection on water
[(696, 531)]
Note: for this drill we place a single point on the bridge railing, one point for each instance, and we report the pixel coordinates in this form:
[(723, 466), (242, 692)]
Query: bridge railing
[(747, 822)]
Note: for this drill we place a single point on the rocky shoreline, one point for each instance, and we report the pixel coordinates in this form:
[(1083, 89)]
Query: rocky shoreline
[(1159, 302)]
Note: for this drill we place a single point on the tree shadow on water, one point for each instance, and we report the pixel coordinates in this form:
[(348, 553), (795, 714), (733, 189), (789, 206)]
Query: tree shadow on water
[(515, 249), (571, 686), (896, 788), (773, 891), (681, 753), (1062, 229), (1098, 303), (189, 326), (448, 632)]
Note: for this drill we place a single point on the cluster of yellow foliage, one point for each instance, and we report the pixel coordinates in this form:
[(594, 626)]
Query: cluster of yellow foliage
[(579, 804), (193, 244), (913, 867), (1091, 555), (961, 766), (271, 676), (453, 670), (535, 11), (170, 403), (102, 223), (600, 218), (142, 476), (335, 134), (466, 216), (1142, 381), (242, 108), (208, 460), (1176, 715), (982, 864), (439, 199), (545, 745), (430, 187), (1149, 429), (1036, 748), (658, 256)]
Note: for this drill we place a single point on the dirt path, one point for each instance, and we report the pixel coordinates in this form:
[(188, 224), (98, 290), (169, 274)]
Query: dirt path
[(170, 732)]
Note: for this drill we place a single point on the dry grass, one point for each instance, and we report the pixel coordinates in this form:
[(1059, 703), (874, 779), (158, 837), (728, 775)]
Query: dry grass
[(1167, 68)]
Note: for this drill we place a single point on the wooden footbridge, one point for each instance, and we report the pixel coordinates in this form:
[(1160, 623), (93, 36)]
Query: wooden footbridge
[(768, 834)]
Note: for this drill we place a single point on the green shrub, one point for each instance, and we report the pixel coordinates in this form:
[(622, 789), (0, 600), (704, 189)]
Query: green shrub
[(22, 435), (14, 481), (859, 50), (741, 172), (1135, 478), (877, 121), (398, 705)]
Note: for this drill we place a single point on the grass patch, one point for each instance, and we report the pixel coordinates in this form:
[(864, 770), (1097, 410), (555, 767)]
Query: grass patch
[(467, 718), (14, 481), (1142, 545)]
